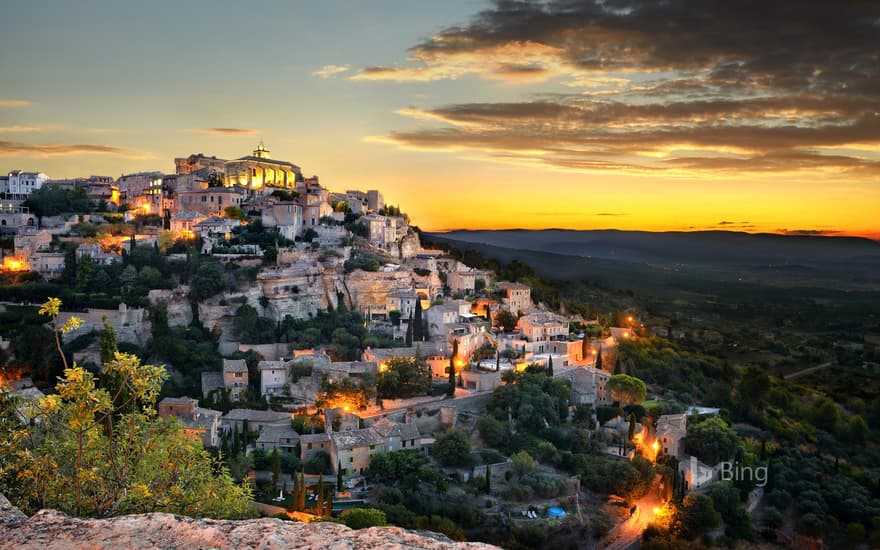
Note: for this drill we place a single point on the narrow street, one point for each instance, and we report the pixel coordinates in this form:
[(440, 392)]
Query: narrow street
[(629, 532)]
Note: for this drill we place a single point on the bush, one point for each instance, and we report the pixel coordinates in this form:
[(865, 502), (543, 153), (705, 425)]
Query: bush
[(361, 518)]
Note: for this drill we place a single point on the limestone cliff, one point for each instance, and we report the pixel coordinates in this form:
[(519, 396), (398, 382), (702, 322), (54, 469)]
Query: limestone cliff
[(50, 530)]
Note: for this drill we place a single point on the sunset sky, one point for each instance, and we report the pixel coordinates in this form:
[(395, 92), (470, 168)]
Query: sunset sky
[(678, 115)]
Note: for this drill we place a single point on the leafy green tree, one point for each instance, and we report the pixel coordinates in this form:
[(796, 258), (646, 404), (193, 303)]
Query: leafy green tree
[(506, 320), (725, 498), (711, 440), (209, 279), (698, 515), (523, 463), (626, 389), (346, 394), (87, 457), (234, 213), (452, 448), (404, 377)]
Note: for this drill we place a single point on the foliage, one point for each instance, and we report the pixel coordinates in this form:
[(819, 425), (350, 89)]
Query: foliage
[(697, 516), (523, 463), (452, 448), (711, 440), (406, 468), (51, 200), (361, 518), (209, 280), (626, 389), (535, 401), (87, 457), (404, 377), (346, 394), (506, 320), (234, 212), (318, 464)]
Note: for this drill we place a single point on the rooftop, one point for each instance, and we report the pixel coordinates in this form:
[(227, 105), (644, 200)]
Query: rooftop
[(357, 438), (234, 365), (256, 415)]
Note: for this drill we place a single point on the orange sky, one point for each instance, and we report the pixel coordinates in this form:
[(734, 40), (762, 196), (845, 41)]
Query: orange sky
[(474, 115)]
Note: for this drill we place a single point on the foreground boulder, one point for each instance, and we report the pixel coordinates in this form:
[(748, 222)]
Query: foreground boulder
[(48, 530)]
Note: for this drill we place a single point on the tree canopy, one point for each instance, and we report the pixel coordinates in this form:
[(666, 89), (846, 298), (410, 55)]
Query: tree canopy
[(626, 389)]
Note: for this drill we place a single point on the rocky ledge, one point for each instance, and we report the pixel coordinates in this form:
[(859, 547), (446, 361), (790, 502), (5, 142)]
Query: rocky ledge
[(48, 530)]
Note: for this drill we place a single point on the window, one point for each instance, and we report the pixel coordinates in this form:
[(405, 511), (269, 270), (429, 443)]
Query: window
[(309, 447), (372, 447), (350, 459)]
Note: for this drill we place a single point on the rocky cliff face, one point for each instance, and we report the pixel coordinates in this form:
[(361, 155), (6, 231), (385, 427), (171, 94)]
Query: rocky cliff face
[(50, 530)]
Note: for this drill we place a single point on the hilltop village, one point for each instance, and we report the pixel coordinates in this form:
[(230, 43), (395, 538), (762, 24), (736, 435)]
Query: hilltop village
[(323, 352)]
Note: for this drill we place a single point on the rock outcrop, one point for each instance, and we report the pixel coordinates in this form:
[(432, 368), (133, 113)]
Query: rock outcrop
[(50, 530)]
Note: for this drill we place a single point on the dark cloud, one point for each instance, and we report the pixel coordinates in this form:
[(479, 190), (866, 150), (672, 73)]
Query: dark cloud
[(55, 149), (807, 232), (682, 85), (609, 214)]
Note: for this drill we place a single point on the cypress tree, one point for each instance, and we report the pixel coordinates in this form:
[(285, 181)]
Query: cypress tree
[(301, 503), (418, 335), (409, 332), (339, 476), (488, 480), (298, 490), (319, 509), (451, 390), (632, 426), (550, 366), (107, 343), (585, 348), (599, 358)]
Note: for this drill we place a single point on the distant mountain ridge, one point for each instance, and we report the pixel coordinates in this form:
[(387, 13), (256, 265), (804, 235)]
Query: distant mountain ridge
[(700, 247)]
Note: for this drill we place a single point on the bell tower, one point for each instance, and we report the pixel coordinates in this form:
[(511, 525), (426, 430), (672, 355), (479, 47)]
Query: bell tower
[(261, 151)]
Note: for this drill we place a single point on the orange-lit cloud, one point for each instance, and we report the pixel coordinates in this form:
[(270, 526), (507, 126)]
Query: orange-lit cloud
[(8, 148), (227, 131), (515, 61), (15, 129), (11, 103), (329, 70), (665, 88)]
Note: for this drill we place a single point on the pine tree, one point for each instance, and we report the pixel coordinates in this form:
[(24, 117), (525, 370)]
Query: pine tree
[(451, 390), (488, 480), (417, 329), (599, 358)]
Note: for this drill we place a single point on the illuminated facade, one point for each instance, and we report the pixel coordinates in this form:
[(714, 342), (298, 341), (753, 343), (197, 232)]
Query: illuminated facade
[(258, 171), (198, 161)]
